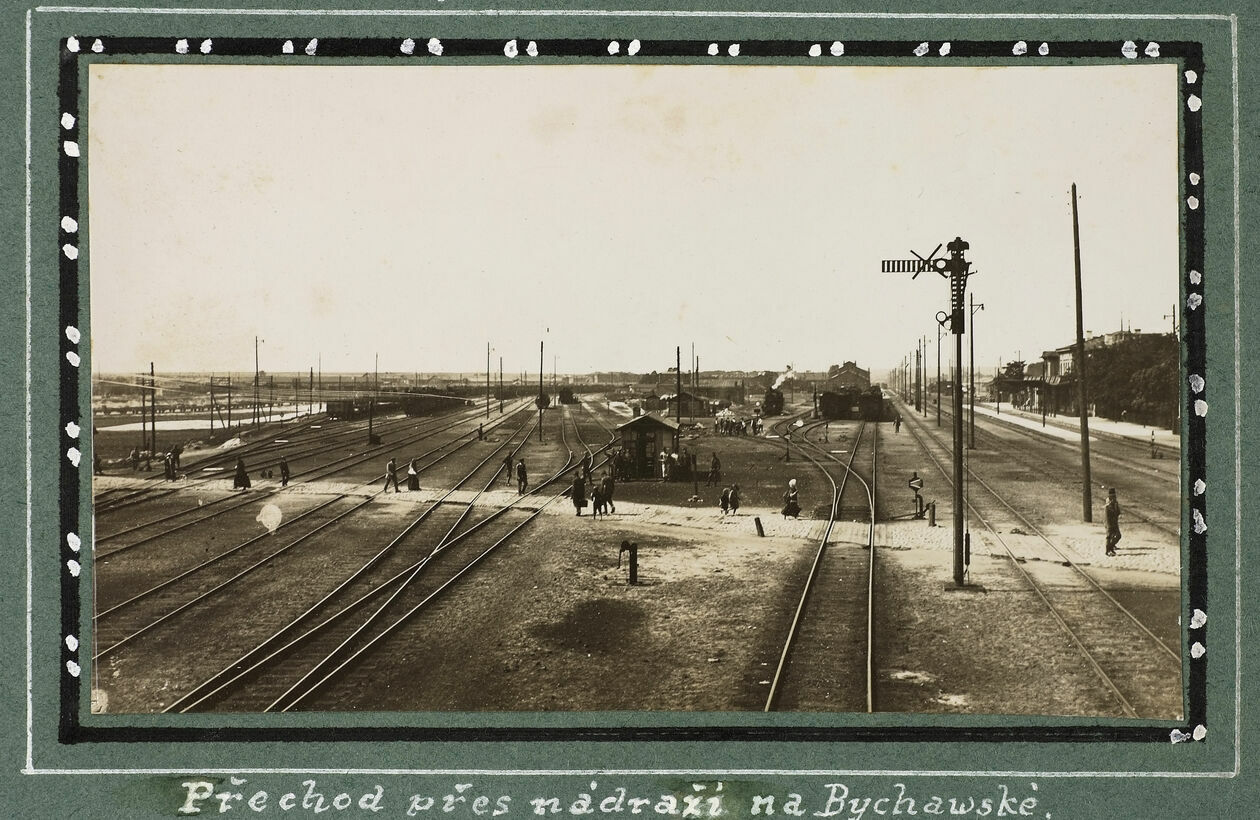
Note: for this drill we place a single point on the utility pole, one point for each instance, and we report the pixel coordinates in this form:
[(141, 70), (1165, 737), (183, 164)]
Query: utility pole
[(956, 269), (487, 380), (376, 377), (144, 413), (1176, 402), (152, 409), (500, 385), (1087, 506), (540, 403), (310, 393), (678, 388), (939, 328), (255, 381), (971, 371)]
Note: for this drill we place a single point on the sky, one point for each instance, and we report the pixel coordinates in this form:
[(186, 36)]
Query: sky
[(420, 212)]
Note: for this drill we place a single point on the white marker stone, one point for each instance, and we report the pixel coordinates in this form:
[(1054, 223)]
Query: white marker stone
[(1196, 382), (68, 224), (72, 429), (72, 541), (614, 47), (287, 48), (72, 643), (815, 50), (1197, 650), (73, 358), (1020, 49), (71, 148), (311, 46), (532, 49), (408, 46), (1191, 77), (713, 49), (206, 45), (1192, 202), (1200, 732), (509, 49), (1194, 103), (1043, 49), (921, 49), (837, 49), (72, 45), (67, 120), (73, 669), (733, 50), (181, 46), (1200, 408), (1193, 301), (944, 49), (1129, 49), (74, 568), (1152, 49), (1195, 178), (634, 47), (1200, 486), (1197, 619), (74, 456), (98, 46), (70, 251), (1195, 277), (435, 47), (72, 333)]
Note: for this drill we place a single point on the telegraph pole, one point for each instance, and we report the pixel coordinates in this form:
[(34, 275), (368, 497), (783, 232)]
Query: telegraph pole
[(971, 371), (255, 381), (1087, 506), (500, 385), (487, 380), (539, 401), (957, 270), (939, 328)]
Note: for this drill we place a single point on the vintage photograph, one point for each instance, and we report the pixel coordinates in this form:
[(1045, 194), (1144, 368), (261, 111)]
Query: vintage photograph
[(813, 388)]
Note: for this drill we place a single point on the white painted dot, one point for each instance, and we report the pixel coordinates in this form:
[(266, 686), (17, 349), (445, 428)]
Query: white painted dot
[(614, 47), (72, 643), (74, 456), (1195, 178), (408, 46), (1043, 49), (1129, 49), (73, 567), (921, 49), (1196, 382), (1197, 650), (509, 49), (72, 44), (206, 45), (713, 49), (1200, 487), (311, 46), (72, 429), (837, 49), (1194, 103), (733, 50), (944, 49), (73, 669), (1200, 732), (97, 46), (71, 148), (287, 48), (1200, 408), (634, 47), (1198, 618), (67, 120), (1199, 524), (815, 50), (1195, 277), (181, 46), (1020, 49), (72, 541), (68, 224), (1152, 49), (72, 357), (532, 49), (70, 251), (1191, 77), (1178, 736), (1192, 202), (72, 333), (1193, 301), (435, 47)]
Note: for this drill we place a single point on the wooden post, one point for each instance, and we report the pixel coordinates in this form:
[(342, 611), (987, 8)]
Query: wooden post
[(1087, 510)]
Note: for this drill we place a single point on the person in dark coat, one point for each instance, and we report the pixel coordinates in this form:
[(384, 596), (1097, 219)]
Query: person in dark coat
[(1112, 511), (134, 458), (724, 501), (507, 469), (791, 501), (579, 494), (608, 485), (522, 477), (284, 471), (168, 467), (97, 467), (599, 504), (715, 472), (734, 498), (391, 476), (241, 480), (176, 452), (413, 477)]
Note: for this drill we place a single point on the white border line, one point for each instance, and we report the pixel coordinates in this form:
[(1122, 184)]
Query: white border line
[(1231, 18)]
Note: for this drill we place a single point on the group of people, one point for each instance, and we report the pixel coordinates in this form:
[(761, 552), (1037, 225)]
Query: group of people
[(601, 494), (391, 476), (738, 427), (729, 499), (522, 474)]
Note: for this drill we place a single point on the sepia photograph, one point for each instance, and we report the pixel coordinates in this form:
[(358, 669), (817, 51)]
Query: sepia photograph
[(635, 387)]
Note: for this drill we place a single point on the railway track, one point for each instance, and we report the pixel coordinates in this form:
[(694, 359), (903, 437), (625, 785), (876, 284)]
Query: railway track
[(1140, 672), (827, 659), (329, 641)]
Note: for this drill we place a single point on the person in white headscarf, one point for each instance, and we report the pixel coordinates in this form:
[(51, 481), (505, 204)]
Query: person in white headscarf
[(791, 501)]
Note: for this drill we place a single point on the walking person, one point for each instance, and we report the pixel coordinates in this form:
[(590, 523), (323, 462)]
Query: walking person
[(522, 477), (791, 501), (897, 424), (724, 500), (715, 472), (734, 498), (609, 485), (578, 494), (391, 476), (284, 471), (1112, 512), (168, 467), (240, 481), (586, 466), (176, 452), (134, 458), (599, 504), (413, 477), (507, 469)]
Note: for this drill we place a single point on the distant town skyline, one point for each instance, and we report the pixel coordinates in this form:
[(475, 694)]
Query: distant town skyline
[(615, 212)]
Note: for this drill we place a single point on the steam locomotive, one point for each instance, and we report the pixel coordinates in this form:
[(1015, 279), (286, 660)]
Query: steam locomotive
[(848, 403), (772, 403)]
